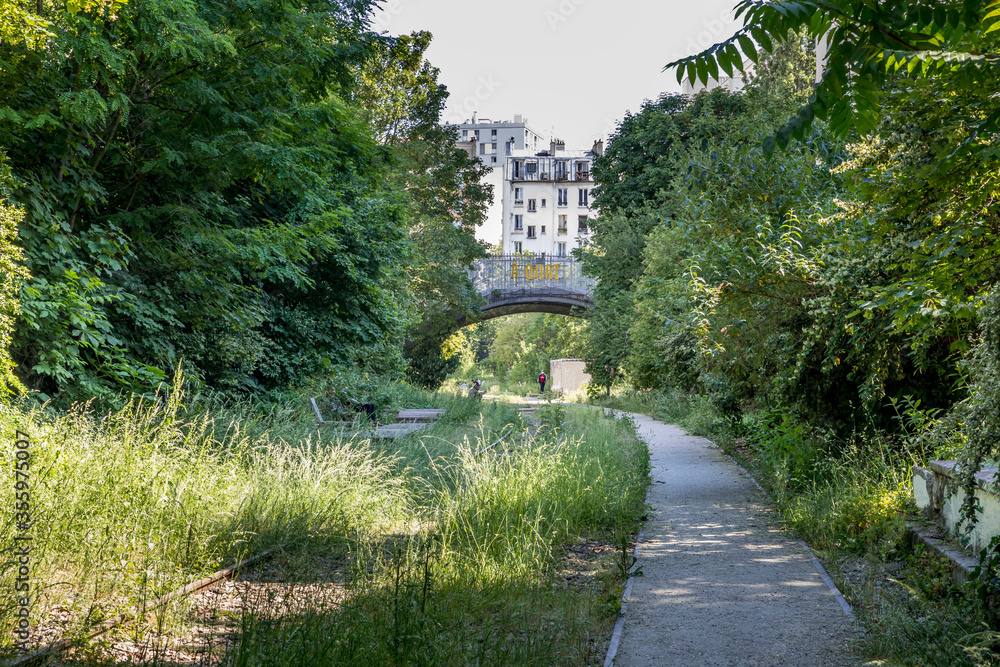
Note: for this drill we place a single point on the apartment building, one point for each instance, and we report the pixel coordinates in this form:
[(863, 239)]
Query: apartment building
[(494, 139), (547, 198)]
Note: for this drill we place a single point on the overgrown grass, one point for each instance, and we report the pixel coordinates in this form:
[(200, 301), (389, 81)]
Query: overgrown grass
[(476, 583), (449, 552), (131, 505)]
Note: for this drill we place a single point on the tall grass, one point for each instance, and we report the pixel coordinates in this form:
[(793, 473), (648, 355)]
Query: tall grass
[(131, 505), (475, 583), (447, 554)]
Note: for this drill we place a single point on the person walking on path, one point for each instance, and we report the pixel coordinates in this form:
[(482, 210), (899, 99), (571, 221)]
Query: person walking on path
[(541, 382)]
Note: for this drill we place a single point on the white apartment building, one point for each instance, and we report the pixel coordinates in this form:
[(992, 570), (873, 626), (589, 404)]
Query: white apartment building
[(546, 199), (496, 138)]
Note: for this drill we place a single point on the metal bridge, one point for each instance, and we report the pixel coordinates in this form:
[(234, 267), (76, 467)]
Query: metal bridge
[(531, 284)]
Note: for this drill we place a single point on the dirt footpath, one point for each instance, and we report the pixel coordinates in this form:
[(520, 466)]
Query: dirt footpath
[(721, 584)]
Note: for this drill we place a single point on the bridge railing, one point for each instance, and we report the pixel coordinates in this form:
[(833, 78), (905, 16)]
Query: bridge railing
[(506, 273)]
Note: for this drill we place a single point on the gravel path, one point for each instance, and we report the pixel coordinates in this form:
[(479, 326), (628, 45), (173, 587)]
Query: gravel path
[(721, 584)]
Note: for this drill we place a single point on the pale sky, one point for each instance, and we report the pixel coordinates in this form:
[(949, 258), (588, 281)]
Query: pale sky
[(571, 67)]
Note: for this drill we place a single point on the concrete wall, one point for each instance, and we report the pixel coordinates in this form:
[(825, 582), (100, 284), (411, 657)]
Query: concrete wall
[(941, 503), (567, 375)]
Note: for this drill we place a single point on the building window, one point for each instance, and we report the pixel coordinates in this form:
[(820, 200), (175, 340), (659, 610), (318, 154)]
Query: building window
[(531, 206), (494, 160), (560, 170), (493, 133), (543, 229), (581, 224), (563, 196), (465, 134), (519, 223), (517, 247), (562, 249), (477, 134), (563, 225), (482, 149), (518, 196), (583, 171), (531, 168), (543, 203), (584, 195), (517, 169), (493, 147), (531, 232)]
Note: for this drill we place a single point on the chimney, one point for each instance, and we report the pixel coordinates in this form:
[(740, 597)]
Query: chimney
[(598, 149), (474, 116), (518, 119), (556, 145)]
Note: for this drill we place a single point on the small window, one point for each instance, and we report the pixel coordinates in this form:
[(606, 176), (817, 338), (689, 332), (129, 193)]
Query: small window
[(465, 134), (543, 229), (494, 160), (563, 196), (563, 225), (562, 249), (477, 134), (582, 224), (493, 133), (531, 206), (518, 196), (517, 247), (482, 149), (584, 197), (531, 167), (543, 203), (518, 223), (531, 231), (493, 147)]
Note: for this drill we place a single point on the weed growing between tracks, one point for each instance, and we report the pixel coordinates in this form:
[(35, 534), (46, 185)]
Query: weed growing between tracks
[(438, 555)]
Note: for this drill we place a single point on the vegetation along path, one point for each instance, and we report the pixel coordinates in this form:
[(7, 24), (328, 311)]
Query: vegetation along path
[(720, 584)]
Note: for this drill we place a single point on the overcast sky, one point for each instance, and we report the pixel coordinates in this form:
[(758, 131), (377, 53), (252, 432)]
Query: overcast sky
[(571, 67)]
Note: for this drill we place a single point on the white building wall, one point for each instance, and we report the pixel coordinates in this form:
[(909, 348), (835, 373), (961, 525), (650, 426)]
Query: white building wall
[(534, 219)]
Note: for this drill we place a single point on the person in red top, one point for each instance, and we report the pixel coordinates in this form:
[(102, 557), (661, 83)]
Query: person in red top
[(541, 382)]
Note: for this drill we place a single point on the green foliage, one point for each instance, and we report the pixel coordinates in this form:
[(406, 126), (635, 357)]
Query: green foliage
[(428, 367), (442, 185), (872, 48), (191, 191), (12, 274), (523, 345)]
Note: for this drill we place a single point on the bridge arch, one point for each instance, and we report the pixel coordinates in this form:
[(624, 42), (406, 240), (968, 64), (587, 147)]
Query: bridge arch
[(521, 283)]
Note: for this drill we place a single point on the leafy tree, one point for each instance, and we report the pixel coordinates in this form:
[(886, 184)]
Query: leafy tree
[(873, 47), (446, 198), (195, 187), (635, 192), (12, 274)]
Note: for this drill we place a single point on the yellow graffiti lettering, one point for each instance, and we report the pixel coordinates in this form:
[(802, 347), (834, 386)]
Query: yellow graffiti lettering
[(529, 272), (555, 272), (513, 270)]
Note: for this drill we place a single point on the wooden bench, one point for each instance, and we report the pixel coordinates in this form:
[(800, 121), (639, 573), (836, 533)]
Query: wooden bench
[(419, 415)]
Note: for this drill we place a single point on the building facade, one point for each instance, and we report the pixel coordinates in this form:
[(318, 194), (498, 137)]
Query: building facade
[(547, 198), (495, 139)]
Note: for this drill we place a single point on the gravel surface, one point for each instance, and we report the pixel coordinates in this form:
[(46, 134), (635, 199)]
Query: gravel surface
[(721, 584)]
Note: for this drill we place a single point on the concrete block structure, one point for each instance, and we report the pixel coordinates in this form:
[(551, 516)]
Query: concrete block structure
[(567, 375)]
